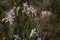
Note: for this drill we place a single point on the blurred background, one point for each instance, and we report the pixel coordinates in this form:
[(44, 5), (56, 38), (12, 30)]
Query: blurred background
[(19, 17)]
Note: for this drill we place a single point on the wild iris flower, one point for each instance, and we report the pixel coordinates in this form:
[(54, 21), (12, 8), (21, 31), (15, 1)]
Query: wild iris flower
[(10, 16), (28, 9), (17, 37), (33, 10), (33, 31)]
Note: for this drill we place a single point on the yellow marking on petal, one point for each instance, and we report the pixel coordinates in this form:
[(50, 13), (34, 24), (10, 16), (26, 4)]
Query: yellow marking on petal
[(3, 19)]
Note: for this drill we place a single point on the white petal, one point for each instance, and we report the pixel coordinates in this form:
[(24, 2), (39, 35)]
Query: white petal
[(18, 8), (25, 4)]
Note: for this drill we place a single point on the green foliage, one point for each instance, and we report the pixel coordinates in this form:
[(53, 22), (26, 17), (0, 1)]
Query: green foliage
[(23, 23)]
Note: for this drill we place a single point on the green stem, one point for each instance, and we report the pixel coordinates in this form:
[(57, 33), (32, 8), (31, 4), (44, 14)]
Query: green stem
[(10, 31)]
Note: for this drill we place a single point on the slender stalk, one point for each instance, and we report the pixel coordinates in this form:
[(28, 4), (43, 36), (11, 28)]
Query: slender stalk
[(10, 31)]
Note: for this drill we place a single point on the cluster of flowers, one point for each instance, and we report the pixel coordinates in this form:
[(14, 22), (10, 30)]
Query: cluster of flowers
[(28, 9), (32, 34)]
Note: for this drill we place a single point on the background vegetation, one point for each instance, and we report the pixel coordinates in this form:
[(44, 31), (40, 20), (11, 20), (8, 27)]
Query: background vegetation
[(23, 24)]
